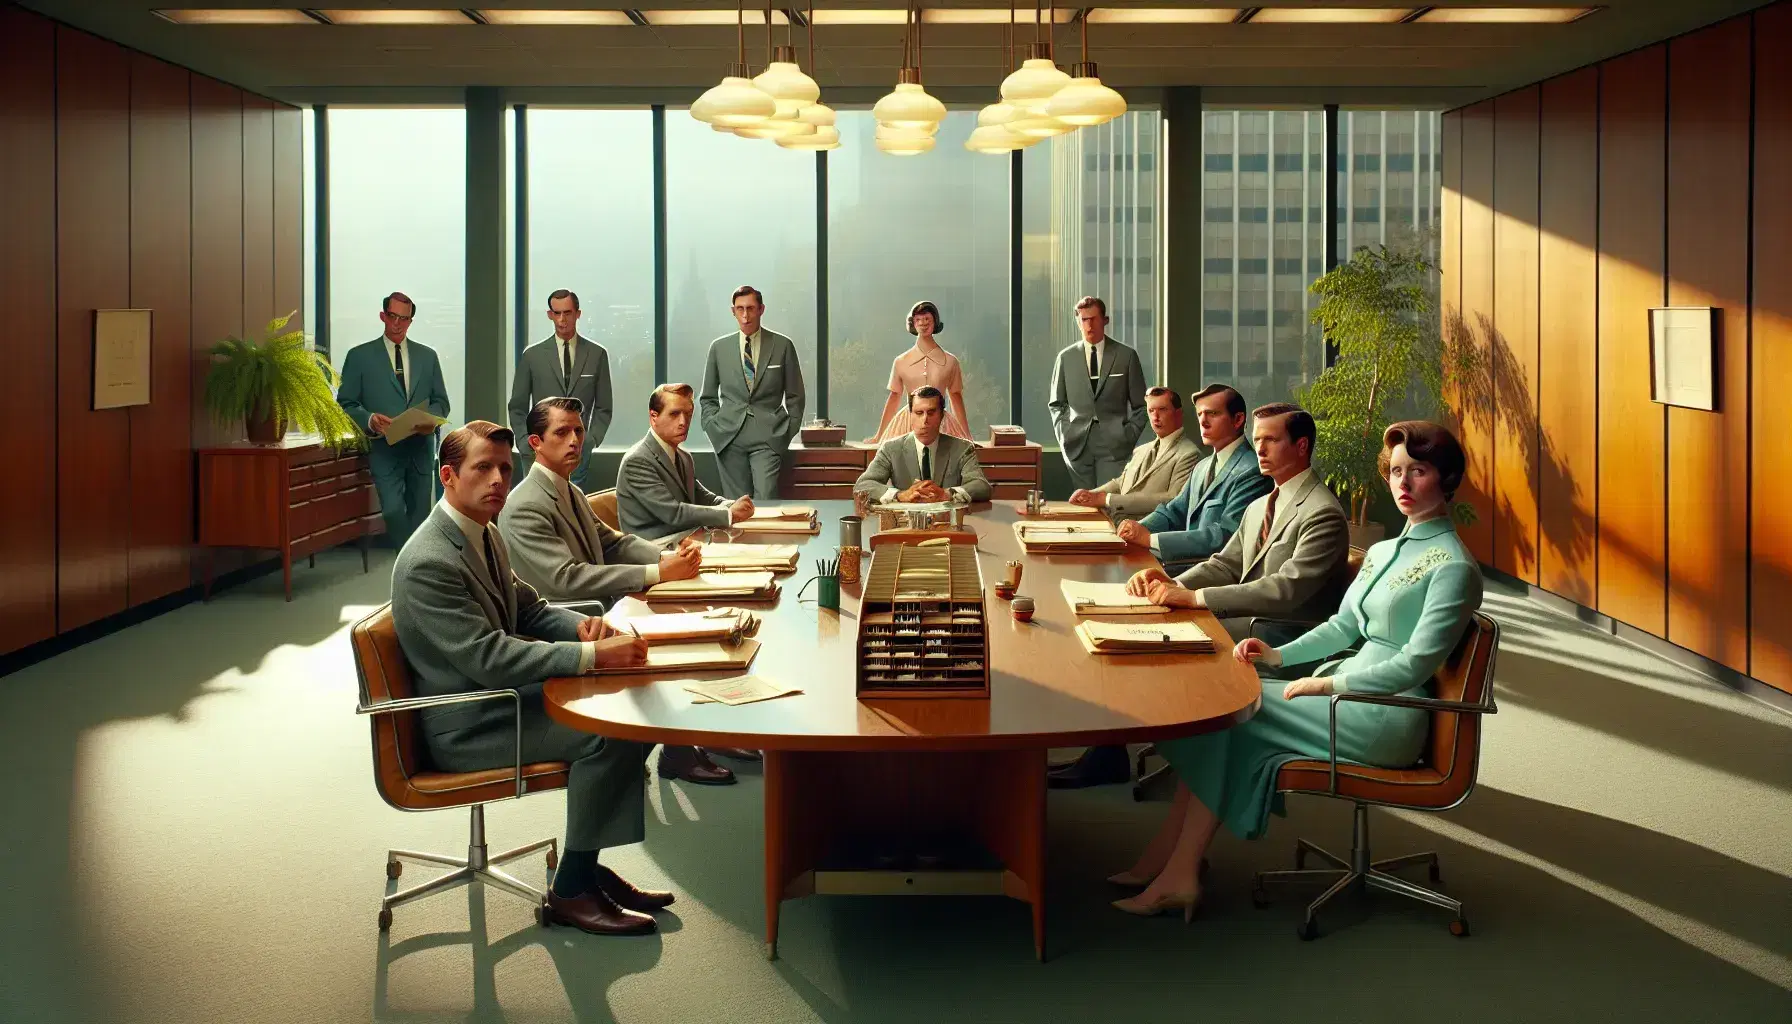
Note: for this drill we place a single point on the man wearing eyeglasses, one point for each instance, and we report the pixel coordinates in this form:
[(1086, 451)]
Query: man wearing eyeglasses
[(566, 365), (381, 379)]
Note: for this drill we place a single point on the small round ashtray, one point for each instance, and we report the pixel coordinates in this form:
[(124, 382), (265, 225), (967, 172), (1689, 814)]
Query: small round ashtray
[(1023, 609), (1004, 591)]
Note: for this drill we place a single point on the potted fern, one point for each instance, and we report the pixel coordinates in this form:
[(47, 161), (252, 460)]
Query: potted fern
[(276, 385), (1393, 363)]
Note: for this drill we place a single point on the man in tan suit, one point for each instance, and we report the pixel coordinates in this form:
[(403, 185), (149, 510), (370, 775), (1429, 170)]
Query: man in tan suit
[(1157, 471), (1288, 560)]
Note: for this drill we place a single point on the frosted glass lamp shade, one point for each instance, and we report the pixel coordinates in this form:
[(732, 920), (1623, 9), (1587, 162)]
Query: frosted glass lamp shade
[(1033, 83), (735, 102), (788, 87), (1085, 101), (909, 106)]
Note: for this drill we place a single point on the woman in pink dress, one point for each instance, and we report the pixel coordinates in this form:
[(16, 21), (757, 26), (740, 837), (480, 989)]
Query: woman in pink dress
[(925, 363)]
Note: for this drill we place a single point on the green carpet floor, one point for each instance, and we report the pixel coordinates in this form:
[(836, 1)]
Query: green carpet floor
[(192, 835)]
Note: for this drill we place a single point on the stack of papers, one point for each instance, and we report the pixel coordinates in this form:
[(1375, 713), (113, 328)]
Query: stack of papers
[(749, 557), (809, 524), (1106, 599), (713, 585), (740, 690), (691, 657), (1089, 537), (784, 512), (719, 625), (1065, 510), (1156, 638)]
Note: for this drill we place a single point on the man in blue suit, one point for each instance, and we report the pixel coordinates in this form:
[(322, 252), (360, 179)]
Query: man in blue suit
[(380, 380), (1184, 531)]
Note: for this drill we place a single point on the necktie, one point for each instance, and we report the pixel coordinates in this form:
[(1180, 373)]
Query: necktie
[(566, 363), (491, 562), (1212, 462), (926, 463), (684, 478), (1094, 371), (573, 501), (1269, 514), (1150, 458), (398, 366), (746, 361)]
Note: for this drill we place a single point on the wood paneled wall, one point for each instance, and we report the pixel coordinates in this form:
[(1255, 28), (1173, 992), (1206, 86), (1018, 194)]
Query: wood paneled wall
[(128, 183), (1655, 178)]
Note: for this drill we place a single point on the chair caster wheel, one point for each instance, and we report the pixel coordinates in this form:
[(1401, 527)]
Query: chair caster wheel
[(543, 916), (553, 859), (1307, 930), (385, 919), (1260, 898), (1459, 927), (394, 869)]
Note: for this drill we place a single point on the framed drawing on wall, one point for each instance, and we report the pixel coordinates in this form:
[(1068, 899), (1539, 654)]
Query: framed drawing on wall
[(1683, 356), (120, 358)]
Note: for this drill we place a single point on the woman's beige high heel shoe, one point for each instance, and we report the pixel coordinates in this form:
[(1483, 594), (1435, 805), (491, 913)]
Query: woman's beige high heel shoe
[(1128, 880), (1187, 902)]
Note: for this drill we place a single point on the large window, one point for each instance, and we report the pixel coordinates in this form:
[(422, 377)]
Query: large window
[(738, 211), (904, 229), (590, 182), (398, 222), (1091, 216)]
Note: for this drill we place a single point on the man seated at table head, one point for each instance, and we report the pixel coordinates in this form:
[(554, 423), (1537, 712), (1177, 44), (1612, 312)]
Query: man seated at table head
[(1286, 565), (466, 625), (1199, 519), (1158, 468), (925, 464), (568, 555), (657, 490)]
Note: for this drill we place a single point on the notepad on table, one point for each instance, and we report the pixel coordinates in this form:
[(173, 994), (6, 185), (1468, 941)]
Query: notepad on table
[(725, 557), (802, 524), (710, 585), (1106, 599), (1064, 510), (691, 657), (1152, 638), (716, 625), (1088, 538), (785, 512), (740, 690)]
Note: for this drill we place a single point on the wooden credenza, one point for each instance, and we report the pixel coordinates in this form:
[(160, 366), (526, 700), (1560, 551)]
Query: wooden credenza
[(819, 474), (295, 497)]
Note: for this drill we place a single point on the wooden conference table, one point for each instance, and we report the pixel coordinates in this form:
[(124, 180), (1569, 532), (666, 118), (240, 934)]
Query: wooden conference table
[(840, 771)]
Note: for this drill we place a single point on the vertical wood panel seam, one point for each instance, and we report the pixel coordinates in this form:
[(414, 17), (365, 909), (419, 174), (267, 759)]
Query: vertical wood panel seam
[(1748, 396), (1667, 280), (130, 288), (56, 319), (1598, 297)]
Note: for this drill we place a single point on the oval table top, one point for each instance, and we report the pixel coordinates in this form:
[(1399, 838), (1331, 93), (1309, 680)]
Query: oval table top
[(1045, 690)]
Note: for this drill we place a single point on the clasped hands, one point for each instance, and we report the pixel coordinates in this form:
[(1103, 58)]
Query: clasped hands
[(1251, 649), (1089, 499), (1156, 585), (1132, 533), (923, 490), (682, 562), (614, 648)]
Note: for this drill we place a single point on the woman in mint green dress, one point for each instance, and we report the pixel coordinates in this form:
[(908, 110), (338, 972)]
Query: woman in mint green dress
[(1409, 605)]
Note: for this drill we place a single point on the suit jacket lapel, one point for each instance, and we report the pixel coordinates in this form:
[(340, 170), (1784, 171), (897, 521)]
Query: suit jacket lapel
[(1287, 511), (1080, 359), (566, 509), (1110, 352), (475, 560), (415, 371), (581, 363), (585, 523)]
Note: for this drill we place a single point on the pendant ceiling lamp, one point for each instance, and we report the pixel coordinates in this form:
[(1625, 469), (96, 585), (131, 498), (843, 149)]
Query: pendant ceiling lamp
[(1038, 79), (817, 115), (1085, 101), (735, 102), (783, 80), (991, 134), (909, 105)]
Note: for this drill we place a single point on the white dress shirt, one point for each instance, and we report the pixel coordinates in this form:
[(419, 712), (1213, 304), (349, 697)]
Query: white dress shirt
[(957, 492), (563, 495), (392, 361), (475, 534), (1101, 352)]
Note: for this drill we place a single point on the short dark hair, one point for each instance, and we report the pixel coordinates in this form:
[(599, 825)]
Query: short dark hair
[(657, 400), (1089, 300), (537, 423), (939, 325), (926, 391), (458, 440), (1429, 443), (563, 293), (746, 289), (1300, 421), (1234, 400), (1175, 399), (386, 303)]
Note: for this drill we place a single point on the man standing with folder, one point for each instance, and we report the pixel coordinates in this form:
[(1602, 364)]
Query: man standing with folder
[(381, 380)]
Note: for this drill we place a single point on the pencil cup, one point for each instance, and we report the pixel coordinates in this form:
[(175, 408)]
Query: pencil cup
[(849, 563), (827, 592)]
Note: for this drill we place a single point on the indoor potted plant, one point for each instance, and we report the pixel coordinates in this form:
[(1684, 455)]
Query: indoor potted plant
[(276, 385), (1392, 361)]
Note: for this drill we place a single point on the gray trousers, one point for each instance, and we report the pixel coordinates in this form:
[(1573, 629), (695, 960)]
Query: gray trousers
[(750, 468), (605, 791), (1092, 470), (404, 477)]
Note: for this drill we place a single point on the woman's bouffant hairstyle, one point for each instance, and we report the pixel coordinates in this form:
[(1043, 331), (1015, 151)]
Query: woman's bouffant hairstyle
[(939, 326), (1429, 443)]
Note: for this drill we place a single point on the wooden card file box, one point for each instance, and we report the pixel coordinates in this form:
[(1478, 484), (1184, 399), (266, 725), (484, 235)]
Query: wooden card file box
[(923, 630)]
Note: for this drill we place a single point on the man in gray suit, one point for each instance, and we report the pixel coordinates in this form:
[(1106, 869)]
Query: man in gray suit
[(1199, 519), (1098, 399), (924, 464), (467, 625), (752, 400), (1157, 469), (381, 379), (657, 490), (1284, 570), (568, 555), (566, 364)]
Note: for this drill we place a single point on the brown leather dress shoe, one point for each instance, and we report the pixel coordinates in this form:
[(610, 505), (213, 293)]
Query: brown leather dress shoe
[(598, 914), (736, 753), (691, 764), (624, 894)]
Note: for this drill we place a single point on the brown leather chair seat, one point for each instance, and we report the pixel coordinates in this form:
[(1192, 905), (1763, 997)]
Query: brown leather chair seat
[(603, 506)]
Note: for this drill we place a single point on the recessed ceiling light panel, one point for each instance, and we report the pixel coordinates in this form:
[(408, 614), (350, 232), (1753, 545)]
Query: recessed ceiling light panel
[(1330, 15), (890, 16), (395, 16), (716, 17), (556, 17), (286, 16), (1506, 15), (1162, 15), (983, 16)]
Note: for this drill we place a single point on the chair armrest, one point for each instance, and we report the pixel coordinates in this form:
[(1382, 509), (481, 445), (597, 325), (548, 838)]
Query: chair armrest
[(1397, 701), (1252, 621), (388, 707)]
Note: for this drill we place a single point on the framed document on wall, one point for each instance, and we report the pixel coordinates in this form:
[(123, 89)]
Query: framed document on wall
[(1683, 356), (120, 358)]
